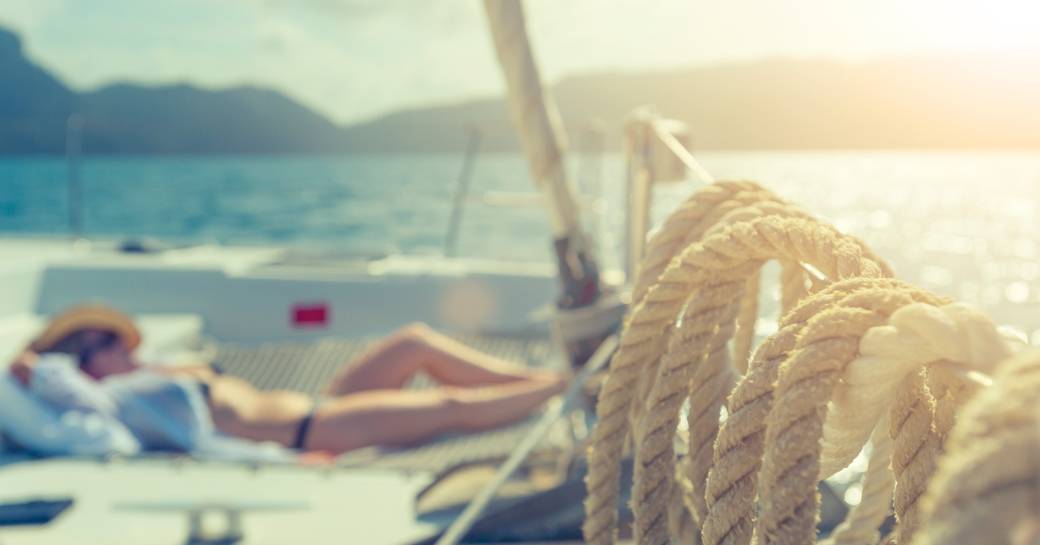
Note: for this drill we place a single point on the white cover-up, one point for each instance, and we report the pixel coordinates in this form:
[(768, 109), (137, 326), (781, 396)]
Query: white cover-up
[(64, 412)]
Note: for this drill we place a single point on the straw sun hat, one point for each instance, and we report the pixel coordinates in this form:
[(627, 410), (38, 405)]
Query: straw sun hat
[(90, 316)]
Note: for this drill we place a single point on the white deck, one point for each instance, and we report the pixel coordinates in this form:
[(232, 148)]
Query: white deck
[(342, 506)]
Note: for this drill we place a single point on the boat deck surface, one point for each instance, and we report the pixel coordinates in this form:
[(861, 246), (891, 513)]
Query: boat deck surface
[(368, 495)]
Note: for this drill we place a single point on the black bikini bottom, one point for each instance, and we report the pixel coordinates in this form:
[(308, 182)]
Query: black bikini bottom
[(304, 426), (300, 442)]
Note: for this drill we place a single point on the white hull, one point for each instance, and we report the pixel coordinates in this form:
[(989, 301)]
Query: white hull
[(248, 294)]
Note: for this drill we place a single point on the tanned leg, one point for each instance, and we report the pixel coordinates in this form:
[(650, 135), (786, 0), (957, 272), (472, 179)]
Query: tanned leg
[(400, 418), (391, 362)]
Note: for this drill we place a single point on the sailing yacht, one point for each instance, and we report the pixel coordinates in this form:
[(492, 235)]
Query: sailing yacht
[(280, 317), (283, 318)]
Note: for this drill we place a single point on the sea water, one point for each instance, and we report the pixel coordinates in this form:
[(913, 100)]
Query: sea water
[(965, 225)]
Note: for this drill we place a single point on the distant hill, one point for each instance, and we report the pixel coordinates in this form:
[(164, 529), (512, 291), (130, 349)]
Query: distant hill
[(33, 104), (940, 101), (943, 102), (128, 118)]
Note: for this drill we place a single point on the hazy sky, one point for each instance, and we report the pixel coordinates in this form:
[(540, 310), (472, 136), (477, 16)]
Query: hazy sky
[(354, 59)]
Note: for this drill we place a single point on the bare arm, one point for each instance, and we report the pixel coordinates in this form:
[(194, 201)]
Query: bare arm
[(22, 367)]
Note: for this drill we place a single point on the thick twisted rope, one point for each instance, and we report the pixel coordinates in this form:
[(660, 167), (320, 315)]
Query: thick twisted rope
[(638, 349), (915, 450), (987, 490), (739, 247), (744, 244), (644, 335), (914, 336), (654, 460), (640, 344), (699, 465), (717, 203), (806, 402), (893, 338), (733, 477), (861, 525), (688, 223), (791, 463)]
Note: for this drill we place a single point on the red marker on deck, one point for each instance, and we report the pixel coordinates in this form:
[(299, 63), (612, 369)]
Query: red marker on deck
[(310, 315)]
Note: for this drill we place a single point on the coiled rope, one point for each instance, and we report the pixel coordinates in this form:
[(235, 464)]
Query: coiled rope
[(734, 476), (686, 225), (805, 404), (733, 249), (987, 490)]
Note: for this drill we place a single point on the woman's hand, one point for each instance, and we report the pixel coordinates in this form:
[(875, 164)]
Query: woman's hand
[(22, 366)]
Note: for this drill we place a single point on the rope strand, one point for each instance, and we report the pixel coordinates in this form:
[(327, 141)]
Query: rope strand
[(987, 490), (803, 405)]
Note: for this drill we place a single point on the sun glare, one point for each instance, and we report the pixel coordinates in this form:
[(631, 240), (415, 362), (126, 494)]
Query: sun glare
[(986, 25)]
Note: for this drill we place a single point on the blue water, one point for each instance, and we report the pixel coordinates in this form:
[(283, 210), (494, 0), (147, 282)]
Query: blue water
[(368, 204), (963, 224)]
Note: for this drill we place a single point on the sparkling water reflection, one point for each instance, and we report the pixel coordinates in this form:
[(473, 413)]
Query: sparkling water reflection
[(964, 225)]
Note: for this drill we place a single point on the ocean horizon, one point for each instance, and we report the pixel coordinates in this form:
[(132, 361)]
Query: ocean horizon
[(966, 224)]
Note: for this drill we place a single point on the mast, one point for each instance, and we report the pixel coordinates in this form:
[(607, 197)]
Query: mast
[(73, 150), (538, 122)]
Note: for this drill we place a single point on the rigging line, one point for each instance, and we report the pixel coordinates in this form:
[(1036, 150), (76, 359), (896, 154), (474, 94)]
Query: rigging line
[(683, 154), (468, 518)]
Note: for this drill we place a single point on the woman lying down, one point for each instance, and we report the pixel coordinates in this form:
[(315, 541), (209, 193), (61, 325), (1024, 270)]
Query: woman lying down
[(364, 405)]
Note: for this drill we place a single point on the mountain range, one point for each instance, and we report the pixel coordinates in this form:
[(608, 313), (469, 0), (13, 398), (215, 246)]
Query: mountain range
[(925, 102)]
